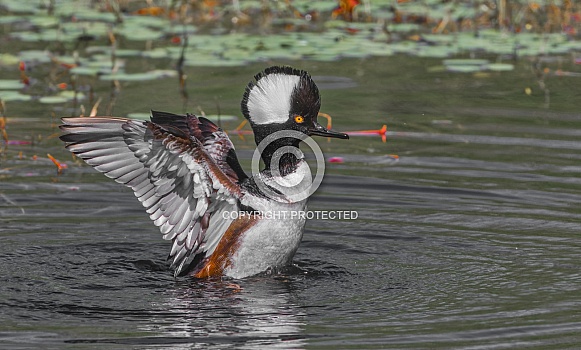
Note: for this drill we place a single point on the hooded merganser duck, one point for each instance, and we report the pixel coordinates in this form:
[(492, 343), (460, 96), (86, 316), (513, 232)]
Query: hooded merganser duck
[(184, 171)]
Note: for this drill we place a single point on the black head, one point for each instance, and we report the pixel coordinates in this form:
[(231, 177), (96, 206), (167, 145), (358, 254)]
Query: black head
[(284, 98)]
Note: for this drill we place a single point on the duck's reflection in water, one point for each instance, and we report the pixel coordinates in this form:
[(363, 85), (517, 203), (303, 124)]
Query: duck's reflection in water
[(252, 313)]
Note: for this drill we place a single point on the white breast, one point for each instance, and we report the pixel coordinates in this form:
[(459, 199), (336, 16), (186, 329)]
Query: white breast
[(274, 239), (272, 242)]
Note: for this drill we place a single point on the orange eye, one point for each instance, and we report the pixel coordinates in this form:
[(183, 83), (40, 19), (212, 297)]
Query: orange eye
[(299, 119)]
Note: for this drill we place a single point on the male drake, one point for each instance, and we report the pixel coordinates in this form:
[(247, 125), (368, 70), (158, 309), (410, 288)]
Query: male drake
[(185, 172)]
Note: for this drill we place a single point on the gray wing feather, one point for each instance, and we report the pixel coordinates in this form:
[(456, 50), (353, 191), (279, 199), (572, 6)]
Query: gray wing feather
[(170, 176)]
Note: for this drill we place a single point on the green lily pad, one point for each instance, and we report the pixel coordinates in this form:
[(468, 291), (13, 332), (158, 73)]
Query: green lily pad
[(128, 53), (19, 6), (404, 47), (62, 97), (84, 14), (221, 118), (179, 30), (53, 99), (572, 45), (138, 33), (319, 6), (415, 8), (435, 51), (8, 96), (98, 49), (558, 50), (214, 118), (465, 62), (101, 65), (250, 4), (70, 95), (151, 75), (8, 59), (464, 68), (214, 63), (438, 38), (500, 67), (145, 21), (155, 53), (404, 27), (273, 55), (56, 35), (7, 84), (44, 21), (26, 36), (67, 59), (12, 19), (35, 56), (375, 48), (500, 49)]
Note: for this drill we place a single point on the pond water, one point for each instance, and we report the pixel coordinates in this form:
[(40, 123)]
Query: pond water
[(470, 239)]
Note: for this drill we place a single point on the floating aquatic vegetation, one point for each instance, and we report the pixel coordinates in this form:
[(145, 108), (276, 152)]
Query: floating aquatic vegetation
[(98, 64), (151, 75), (19, 6), (62, 97), (155, 53), (82, 13), (500, 67), (53, 99), (475, 65), (7, 59), (91, 39), (136, 33), (214, 118), (7, 96), (436, 51), (465, 65), (464, 68), (35, 56), (383, 33), (221, 118), (6, 84)]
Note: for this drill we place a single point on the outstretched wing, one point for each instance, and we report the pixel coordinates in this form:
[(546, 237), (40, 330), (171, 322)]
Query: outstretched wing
[(179, 171), (215, 141)]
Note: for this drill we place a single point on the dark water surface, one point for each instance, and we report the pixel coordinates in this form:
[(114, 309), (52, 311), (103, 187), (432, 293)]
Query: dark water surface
[(470, 240)]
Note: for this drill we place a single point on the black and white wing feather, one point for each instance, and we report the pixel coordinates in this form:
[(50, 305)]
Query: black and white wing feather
[(183, 170)]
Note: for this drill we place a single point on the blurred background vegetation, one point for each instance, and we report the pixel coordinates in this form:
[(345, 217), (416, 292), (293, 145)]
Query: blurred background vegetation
[(75, 57)]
